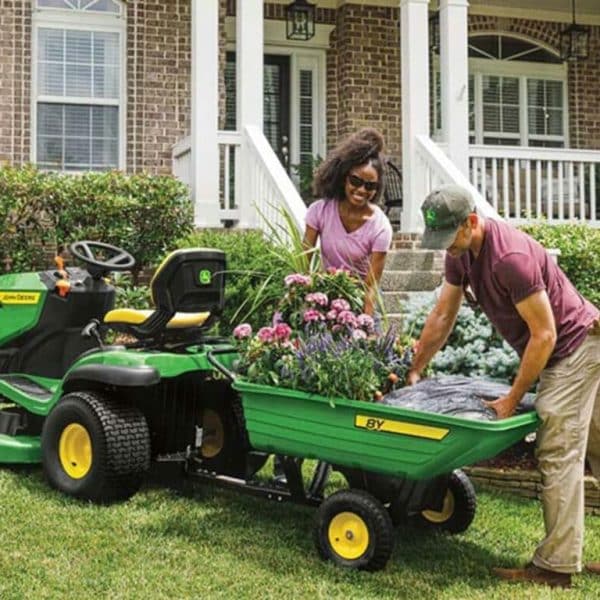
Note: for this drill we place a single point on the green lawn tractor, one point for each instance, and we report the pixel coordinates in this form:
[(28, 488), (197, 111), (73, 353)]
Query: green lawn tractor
[(100, 416)]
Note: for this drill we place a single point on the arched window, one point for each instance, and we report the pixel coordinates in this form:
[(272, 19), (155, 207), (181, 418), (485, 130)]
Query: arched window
[(78, 111), (517, 92)]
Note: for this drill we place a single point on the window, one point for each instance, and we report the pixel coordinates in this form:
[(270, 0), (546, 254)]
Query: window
[(517, 93), (78, 91)]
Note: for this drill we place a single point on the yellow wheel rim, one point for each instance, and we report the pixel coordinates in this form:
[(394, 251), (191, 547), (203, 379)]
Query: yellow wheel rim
[(75, 451), (447, 510), (213, 434), (348, 535)]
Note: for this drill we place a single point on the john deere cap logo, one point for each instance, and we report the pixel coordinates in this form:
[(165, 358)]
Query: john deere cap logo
[(204, 277), (430, 217)]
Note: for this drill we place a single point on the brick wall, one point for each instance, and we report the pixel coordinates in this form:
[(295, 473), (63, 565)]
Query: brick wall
[(15, 77), (364, 74)]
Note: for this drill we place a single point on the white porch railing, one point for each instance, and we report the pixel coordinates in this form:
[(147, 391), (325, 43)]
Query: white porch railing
[(437, 169), (253, 184), (525, 184)]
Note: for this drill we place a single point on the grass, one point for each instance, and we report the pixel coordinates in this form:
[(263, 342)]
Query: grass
[(214, 543)]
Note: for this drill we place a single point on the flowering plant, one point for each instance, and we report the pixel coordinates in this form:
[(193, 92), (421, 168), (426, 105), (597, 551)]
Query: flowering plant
[(319, 341)]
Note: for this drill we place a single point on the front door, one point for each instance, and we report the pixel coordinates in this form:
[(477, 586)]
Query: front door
[(276, 105)]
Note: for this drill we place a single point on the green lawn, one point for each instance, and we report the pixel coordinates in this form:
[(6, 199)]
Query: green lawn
[(219, 544)]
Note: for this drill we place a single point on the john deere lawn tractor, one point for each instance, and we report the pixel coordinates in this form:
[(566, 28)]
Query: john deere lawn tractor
[(98, 415)]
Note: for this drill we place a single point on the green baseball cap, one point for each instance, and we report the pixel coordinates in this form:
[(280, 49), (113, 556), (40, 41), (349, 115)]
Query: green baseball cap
[(444, 209)]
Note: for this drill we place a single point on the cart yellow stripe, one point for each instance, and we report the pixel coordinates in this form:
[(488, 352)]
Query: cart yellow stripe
[(400, 427), (19, 297)]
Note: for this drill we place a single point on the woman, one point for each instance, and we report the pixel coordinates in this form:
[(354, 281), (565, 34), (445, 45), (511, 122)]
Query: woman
[(355, 233)]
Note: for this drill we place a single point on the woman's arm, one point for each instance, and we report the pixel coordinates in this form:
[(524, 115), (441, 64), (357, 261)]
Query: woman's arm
[(310, 238), (376, 265)]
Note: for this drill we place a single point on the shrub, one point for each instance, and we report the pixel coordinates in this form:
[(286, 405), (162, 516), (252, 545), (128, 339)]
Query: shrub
[(474, 348), (254, 279), (142, 213), (579, 258)]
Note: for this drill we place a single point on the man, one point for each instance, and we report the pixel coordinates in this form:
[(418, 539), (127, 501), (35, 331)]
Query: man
[(556, 333)]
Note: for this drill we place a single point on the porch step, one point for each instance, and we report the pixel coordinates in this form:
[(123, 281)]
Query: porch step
[(410, 281), (414, 260), (402, 302)]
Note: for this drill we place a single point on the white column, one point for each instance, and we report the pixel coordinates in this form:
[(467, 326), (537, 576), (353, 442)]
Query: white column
[(205, 112), (249, 60), (414, 50), (455, 81)]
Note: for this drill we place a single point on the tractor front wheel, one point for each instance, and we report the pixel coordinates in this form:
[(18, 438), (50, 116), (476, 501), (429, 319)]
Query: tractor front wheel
[(94, 448), (354, 530)]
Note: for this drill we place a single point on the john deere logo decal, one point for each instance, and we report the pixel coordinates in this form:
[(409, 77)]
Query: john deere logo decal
[(430, 217), (204, 277), (19, 297)]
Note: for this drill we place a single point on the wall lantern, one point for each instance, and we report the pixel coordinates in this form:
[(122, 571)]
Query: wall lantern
[(300, 20), (574, 40)]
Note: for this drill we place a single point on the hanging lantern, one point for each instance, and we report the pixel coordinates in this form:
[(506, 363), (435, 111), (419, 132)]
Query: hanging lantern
[(574, 40), (300, 20)]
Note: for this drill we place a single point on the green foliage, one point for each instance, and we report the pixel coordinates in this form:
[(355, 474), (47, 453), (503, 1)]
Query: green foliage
[(254, 278), (142, 213), (579, 258), (305, 172), (129, 295), (474, 348)]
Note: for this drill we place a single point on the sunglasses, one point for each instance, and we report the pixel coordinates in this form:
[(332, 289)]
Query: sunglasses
[(357, 182)]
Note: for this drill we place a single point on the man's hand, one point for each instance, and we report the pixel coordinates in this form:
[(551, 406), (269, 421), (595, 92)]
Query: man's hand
[(412, 377), (503, 406)]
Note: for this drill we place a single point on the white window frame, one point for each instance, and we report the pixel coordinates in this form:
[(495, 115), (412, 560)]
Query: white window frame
[(80, 20), (522, 70)]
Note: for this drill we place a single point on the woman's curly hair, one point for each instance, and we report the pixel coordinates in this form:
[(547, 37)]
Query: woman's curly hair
[(364, 146)]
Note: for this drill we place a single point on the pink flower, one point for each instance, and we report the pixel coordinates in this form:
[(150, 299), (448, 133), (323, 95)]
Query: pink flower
[(332, 315), (359, 334), (312, 314), (347, 317), (317, 298), (282, 331), (298, 279), (340, 304), (366, 322), (266, 334), (242, 331)]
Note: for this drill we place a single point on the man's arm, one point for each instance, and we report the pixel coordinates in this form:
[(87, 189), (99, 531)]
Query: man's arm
[(373, 278), (437, 328), (536, 311)]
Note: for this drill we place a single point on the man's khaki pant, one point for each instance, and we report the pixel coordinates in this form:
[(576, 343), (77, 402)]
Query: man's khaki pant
[(568, 403)]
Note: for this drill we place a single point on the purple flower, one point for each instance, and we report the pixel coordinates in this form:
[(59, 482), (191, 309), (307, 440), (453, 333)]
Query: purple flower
[(298, 279), (317, 298), (312, 314), (266, 334), (282, 331), (366, 322), (340, 304), (277, 318), (244, 330), (347, 317)]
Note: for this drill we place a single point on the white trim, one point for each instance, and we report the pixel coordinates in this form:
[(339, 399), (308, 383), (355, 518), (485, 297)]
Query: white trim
[(80, 20)]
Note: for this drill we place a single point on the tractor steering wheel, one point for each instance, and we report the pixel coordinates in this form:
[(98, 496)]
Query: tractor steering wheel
[(118, 259)]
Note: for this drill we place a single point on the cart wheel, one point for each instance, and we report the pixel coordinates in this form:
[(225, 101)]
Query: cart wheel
[(458, 510), (354, 530), (225, 447), (94, 448)]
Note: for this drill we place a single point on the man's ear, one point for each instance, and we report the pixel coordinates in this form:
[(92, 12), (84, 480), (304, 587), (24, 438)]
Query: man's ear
[(473, 220)]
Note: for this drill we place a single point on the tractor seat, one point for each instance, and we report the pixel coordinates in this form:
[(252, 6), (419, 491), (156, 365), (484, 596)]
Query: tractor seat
[(188, 294), (132, 316)]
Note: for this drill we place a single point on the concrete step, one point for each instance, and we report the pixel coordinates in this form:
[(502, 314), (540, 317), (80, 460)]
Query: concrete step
[(414, 260), (401, 302), (396, 281)]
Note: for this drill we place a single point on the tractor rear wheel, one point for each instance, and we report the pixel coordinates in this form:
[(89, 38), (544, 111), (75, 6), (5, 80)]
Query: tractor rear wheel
[(354, 530), (94, 448)]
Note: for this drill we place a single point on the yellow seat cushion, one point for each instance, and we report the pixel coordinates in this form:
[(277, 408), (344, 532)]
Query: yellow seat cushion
[(131, 316)]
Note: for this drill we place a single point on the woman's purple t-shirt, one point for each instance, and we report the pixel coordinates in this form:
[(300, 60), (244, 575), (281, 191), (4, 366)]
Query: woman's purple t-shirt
[(510, 267), (348, 250)]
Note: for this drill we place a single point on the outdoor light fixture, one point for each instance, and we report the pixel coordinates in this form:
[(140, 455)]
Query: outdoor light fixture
[(300, 20), (574, 40)]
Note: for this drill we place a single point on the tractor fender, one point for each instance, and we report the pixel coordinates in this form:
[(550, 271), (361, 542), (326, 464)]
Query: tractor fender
[(114, 375)]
